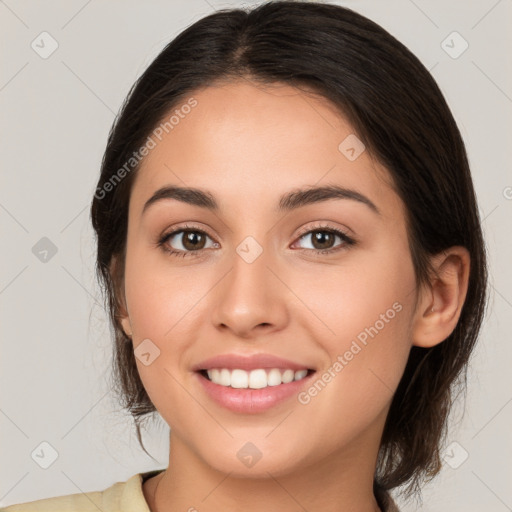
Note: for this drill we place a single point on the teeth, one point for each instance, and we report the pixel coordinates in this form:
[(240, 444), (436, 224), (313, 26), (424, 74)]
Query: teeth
[(239, 379), (288, 376), (225, 377), (274, 377), (255, 379)]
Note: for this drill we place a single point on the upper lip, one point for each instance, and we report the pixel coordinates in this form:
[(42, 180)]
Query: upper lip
[(252, 362)]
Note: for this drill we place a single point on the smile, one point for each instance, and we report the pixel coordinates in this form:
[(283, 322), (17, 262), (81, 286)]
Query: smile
[(258, 390), (255, 379)]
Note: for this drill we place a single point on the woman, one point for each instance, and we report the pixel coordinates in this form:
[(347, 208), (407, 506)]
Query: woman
[(294, 265)]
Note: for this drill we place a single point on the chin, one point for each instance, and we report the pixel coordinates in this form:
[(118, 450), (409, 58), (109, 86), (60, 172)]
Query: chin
[(254, 459)]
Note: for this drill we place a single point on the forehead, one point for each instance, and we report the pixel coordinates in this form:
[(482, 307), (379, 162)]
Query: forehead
[(245, 140)]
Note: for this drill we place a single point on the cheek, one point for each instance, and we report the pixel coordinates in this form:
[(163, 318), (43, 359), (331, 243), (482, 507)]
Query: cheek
[(164, 304), (159, 295), (365, 298), (367, 309)]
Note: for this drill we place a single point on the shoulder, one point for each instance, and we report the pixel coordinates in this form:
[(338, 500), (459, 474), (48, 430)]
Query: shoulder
[(120, 497)]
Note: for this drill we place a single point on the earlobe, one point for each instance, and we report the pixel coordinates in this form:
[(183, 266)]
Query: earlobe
[(117, 277), (440, 304), (126, 325)]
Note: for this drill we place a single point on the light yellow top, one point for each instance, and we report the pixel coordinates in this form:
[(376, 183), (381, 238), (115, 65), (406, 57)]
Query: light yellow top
[(120, 497)]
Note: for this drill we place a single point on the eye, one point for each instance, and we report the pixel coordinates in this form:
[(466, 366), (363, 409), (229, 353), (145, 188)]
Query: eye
[(192, 241), (187, 241), (323, 237)]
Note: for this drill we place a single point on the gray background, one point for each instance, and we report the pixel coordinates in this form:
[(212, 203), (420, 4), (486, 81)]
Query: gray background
[(56, 113)]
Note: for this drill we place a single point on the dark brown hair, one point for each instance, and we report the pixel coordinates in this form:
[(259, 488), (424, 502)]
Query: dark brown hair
[(398, 112)]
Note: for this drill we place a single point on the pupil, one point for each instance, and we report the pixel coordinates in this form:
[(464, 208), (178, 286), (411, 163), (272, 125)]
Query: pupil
[(191, 240), (322, 236)]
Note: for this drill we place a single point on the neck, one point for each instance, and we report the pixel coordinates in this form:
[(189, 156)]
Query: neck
[(342, 481)]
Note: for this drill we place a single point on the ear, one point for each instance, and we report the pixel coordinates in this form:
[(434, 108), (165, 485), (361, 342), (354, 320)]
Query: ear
[(117, 275), (440, 304)]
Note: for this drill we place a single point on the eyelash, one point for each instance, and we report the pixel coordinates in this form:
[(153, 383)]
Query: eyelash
[(162, 242)]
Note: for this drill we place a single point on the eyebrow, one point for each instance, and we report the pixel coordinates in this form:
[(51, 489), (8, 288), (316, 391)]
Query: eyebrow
[(290, 201)]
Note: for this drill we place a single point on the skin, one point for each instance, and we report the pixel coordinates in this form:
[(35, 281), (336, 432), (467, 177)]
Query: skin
[(248, 144)]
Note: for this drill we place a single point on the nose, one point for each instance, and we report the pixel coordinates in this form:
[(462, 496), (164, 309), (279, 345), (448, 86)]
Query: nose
[(251, 299)]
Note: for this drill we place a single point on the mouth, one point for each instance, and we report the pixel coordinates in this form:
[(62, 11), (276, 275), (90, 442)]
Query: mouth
[(253, 391), (254, 383), (258, 378)]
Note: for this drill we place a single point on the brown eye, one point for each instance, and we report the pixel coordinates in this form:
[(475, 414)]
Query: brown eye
[(193, 240), (185, 242), (323, 239)]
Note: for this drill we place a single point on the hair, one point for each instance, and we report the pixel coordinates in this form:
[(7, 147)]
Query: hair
[(398, 112)]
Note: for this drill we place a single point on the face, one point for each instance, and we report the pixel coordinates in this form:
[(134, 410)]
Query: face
[(325, 283)]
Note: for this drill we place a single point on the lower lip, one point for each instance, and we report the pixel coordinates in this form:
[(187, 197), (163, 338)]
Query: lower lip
[(248, 400)]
